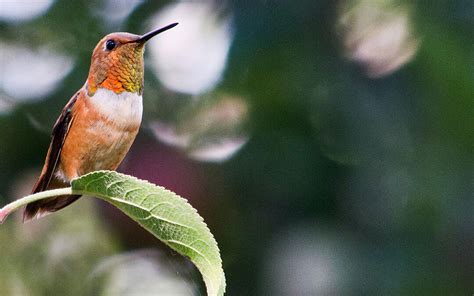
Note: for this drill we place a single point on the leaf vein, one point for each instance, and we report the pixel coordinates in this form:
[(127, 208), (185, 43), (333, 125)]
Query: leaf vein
[(126, 194), (146, 198), (112, 184), (159, 204), (86, 185), (151, 214)]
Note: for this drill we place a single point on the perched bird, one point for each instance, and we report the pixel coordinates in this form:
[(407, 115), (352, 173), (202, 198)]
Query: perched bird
[(99, 123)]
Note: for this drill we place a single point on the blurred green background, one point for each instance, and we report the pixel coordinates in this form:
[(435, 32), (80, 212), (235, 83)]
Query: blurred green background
[(327, 144)]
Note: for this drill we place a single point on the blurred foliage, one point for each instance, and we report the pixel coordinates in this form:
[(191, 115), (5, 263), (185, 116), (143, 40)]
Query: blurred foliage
[(46, 259), (368, 178)]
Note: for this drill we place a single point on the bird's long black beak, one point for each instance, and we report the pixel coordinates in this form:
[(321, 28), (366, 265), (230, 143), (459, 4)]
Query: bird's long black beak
[(144, 38)]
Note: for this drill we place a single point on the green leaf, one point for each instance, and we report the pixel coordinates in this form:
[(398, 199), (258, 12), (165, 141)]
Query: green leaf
[(166, 215)]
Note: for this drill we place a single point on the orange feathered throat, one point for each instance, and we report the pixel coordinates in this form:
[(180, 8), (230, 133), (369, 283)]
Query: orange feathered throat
[(117, 71)]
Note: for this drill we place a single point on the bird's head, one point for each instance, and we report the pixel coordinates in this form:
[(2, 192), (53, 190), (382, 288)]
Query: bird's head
[(117, 62)]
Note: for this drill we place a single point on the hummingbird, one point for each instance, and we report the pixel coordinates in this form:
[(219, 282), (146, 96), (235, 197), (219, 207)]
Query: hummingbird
[(98, 125)]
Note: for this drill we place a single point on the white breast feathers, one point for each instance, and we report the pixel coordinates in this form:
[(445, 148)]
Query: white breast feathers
[(123, 109)]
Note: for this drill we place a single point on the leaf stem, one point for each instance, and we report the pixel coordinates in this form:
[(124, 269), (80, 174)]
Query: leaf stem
[(13, 206)]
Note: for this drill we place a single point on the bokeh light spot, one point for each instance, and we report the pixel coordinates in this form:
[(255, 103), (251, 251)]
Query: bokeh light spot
[(115, 12), (21, 10), (31, 74), (213, 132), (193, 58), (377, 35)]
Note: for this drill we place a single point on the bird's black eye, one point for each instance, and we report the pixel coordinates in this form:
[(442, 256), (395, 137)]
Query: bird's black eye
[(110, 44)]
